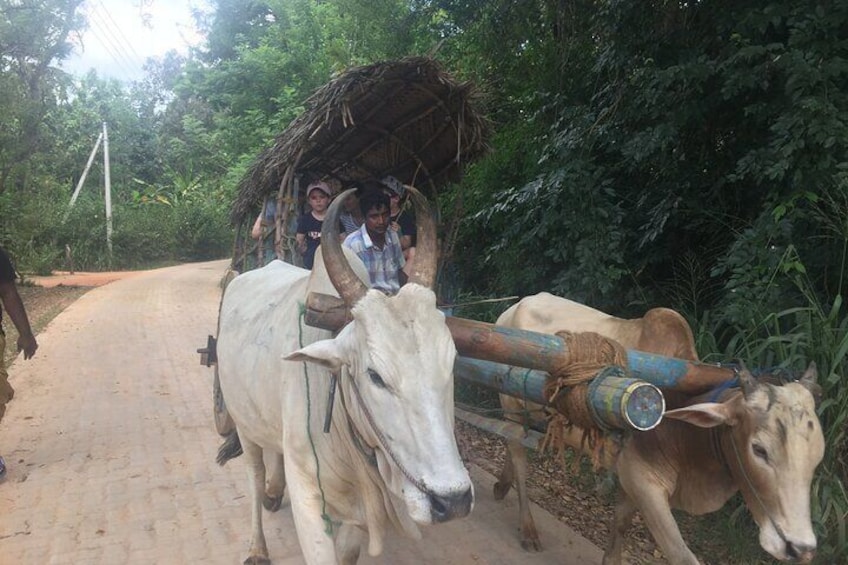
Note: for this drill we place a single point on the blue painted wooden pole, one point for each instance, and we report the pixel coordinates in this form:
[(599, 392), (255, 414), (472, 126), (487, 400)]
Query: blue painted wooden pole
[(513, 381), (542, 352), (615, 402), (545, 352)]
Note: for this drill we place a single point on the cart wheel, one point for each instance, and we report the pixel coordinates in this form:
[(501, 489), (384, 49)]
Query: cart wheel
[(223, 422)]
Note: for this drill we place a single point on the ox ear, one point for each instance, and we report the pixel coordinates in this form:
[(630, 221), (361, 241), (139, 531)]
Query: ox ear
[(324, 352), (705, 415), (809, 381)]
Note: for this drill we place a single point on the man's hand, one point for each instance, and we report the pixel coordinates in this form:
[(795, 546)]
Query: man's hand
[(15, 308), (28, 345)]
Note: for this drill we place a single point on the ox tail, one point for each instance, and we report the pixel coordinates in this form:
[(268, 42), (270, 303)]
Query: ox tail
[(223, 422), (230, 449)]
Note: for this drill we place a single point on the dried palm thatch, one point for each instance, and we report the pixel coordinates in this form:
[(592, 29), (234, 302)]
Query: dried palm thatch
[(406, 118)]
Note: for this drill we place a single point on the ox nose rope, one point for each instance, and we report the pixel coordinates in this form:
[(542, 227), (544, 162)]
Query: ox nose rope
[(368, 452), (715, 440), (756, 494), (417, 483), (331, 398)]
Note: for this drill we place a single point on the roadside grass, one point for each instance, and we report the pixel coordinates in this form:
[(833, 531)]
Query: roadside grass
[(727, 536)]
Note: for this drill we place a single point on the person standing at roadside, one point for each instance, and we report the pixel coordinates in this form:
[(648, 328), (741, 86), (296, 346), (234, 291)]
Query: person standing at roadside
[(14, 306)]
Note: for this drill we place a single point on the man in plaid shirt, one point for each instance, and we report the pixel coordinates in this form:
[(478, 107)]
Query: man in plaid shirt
[(377, 245)]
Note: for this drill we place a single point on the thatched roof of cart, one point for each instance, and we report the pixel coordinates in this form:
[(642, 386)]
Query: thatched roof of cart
[(406, 118)]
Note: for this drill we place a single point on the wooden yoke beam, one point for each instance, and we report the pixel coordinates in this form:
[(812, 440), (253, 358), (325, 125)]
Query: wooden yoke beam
[(542, 352)]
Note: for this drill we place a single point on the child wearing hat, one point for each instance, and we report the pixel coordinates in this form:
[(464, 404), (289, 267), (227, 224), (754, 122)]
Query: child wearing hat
[(308, 235)]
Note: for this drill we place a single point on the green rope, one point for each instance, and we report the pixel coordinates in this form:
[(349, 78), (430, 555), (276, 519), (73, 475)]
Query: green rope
[(328, 523)]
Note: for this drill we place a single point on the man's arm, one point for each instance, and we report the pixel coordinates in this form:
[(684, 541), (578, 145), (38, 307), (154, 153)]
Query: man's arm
[(256, 230), (15, 308)]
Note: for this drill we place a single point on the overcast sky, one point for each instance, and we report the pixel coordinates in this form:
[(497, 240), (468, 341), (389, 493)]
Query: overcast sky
[(122, 34)]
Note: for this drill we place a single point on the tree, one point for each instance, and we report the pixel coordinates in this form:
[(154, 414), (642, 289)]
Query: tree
[(33, 36), (699, 118)]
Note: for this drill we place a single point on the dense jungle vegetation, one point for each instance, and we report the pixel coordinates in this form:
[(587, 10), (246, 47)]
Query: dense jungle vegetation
[(685, 154)]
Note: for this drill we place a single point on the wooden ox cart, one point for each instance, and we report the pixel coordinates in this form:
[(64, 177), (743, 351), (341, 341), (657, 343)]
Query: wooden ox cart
[(411, 120)]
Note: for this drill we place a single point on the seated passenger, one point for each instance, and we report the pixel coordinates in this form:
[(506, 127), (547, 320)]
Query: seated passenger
[(263, 229), (401, 220), (377, 245), (309, 225), (351, 218)]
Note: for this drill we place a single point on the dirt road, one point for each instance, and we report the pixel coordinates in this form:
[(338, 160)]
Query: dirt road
[(111, 446)]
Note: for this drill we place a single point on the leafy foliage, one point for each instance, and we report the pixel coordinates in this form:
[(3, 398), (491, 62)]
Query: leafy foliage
[(677, 144), (32, 36)]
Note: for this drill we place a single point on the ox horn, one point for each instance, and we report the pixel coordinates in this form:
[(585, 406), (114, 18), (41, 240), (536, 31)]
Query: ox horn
[(811, 375), (349, 286), (747, 382), (810, 382), (424, 266)]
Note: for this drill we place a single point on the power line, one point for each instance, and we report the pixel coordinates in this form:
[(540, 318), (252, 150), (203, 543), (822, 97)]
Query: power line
[(127, 72), (114, 42), (121, 34)]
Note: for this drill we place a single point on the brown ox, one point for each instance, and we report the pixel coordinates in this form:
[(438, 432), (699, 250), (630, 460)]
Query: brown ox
[(762, 439)]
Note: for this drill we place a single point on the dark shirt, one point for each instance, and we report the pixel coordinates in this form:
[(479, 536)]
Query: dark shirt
[(406, 221), (7, 275), (311, 227)]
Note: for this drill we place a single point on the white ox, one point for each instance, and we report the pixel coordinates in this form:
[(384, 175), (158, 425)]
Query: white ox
[(762, 439), (390, 456)]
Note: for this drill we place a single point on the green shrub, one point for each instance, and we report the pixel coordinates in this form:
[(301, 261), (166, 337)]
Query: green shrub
[(202, 232), (143, 237)]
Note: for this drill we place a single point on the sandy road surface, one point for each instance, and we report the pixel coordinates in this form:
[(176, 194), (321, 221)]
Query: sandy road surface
[(111, 446), (82, 278)]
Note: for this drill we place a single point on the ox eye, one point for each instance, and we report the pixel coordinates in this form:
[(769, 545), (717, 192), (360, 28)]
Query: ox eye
[(760, 451), (376, 378)]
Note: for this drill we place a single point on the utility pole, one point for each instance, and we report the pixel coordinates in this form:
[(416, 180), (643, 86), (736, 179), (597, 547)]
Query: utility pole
[(82, 178), (107, 187), (108, 191)]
